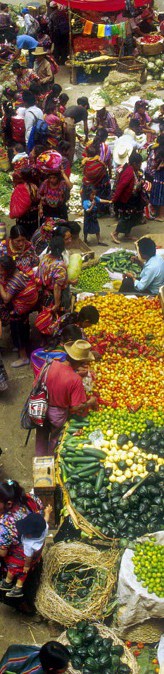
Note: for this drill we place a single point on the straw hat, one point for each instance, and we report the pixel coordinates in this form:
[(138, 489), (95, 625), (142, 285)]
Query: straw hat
[(39, 51), (122, 151), (79, 350)]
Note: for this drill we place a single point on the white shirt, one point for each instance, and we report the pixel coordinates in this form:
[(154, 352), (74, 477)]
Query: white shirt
[(31, 545), (31, 115)]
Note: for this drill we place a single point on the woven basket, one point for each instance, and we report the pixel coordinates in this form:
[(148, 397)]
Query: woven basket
[(150, 49), (130, 66), (149, 632), (54, 607), (104, 631)]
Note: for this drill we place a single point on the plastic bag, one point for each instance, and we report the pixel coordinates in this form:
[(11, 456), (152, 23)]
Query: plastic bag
[(135, 602), (74, 267)]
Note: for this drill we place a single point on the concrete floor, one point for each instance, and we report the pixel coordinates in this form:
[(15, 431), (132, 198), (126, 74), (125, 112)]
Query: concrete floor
[(16, 459)]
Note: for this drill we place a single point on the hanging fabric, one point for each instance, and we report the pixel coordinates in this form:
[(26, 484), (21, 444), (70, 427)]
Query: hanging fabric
[(88, 28), (108, 31), (101, 30)]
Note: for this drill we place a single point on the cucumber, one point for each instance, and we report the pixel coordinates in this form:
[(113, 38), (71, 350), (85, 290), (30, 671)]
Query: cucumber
[(82, 459), (98, 453), (64, 473), (99, 480)]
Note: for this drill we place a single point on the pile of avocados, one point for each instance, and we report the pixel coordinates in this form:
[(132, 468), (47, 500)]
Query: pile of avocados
[(74, 582), (140, 513), (89, 652)]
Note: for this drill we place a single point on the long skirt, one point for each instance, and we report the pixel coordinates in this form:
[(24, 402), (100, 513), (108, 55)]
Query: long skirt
[(20, 331), (3, 377), (103, 191), (157, 191), (47, 436), (59, 211), (29, 222)]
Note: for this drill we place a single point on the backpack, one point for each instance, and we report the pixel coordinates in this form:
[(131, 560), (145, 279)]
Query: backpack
[(53, 64), (35, 407), (38, 134), (18, 129), (20, 201)]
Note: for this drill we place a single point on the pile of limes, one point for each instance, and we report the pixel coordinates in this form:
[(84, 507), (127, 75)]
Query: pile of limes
[(148, 561), (93, 278)]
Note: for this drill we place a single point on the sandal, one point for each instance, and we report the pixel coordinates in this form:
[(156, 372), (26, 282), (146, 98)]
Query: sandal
[(15, 592), (114, 238), (21, 362)]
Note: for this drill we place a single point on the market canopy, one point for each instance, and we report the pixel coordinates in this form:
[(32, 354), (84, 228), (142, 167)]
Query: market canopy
[(101, 6)]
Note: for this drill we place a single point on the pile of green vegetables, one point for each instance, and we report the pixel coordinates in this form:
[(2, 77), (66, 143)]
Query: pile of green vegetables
[(154, 65), (5, 190), (93, 279), (152, 439), (121, 262), (89, 652), (100, 501), (75, 581)]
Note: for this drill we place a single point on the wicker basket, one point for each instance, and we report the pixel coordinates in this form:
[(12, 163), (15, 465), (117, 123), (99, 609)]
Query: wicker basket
[(150, 49), (96, 604), (149, 632), (106, 633), (130, 66)]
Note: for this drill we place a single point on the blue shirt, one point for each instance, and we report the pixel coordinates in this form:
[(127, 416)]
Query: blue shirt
[(26, 42), (152, 275), (87, 203)]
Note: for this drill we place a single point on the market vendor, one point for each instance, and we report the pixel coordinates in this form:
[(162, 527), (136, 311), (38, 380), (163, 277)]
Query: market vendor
[(152, 274), (105, 120), (73, 115), (66, 394), (42, 68), (23, 75), (26, 42), (51, 657)]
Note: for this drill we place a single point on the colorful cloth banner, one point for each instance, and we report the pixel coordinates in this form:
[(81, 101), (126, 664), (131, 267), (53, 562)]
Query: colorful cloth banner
[(88, 28), (105, 30), (108, 31), (101, 30)]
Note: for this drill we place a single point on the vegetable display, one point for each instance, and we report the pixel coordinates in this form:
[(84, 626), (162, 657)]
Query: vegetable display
[(148, 561), (75, 582), (89, 652), (120, 447), (121, 262), (93, 279), (5, 191)]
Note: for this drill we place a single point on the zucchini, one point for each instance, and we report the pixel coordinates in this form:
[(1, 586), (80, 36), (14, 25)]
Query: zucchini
[(98, 453), (99, 480), (81, 459), (64, 474)]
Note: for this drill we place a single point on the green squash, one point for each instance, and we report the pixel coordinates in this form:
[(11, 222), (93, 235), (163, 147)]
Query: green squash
[(117, 650), (76, 662), (90, 664)]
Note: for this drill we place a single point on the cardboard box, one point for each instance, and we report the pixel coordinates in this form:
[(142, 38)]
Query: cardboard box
[(43, 471)]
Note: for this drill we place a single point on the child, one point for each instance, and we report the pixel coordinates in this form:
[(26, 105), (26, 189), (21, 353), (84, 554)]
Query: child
[(63, 100), (89, 203), (32, 531), (19, 153)]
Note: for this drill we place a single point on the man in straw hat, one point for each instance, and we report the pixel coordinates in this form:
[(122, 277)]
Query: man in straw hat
[(66, 393), (42, 68)]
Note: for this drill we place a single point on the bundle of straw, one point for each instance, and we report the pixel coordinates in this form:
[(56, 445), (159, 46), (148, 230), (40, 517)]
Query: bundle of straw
[(96, 604), (106, 633)]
